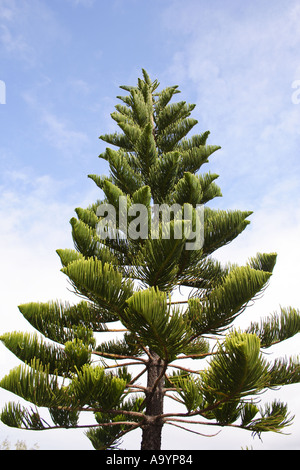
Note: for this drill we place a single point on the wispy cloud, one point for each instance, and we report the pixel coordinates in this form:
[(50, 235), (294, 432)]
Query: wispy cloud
[(28, 29), (60, 135), (15, 44), (231, 60), (84, 3), (29, 201), (58, 131), (240, 66), (79, 86), (7, 9), (36, 224)]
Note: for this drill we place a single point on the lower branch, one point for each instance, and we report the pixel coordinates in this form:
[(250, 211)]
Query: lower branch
[(86, 426), (118, 356), (194, 432)]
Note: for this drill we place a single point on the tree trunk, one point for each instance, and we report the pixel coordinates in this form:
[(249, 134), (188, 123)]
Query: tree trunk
[(152, 430)]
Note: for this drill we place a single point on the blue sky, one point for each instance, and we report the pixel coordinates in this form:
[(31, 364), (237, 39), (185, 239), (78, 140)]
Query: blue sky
[(62, 62)]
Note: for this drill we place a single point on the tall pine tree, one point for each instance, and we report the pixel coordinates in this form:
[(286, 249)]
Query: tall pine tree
[(128, 286)]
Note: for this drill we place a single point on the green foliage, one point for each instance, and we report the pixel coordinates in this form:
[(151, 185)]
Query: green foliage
[(64, 418), (248, 413), (127, 346), (78, 354), (35, 384), (149, 317), (284, 372), (238, 369), (61, 322), (16, 416), (59, 360), (189, 390), (222, 227), (99, 282), (158, 261), (215, 311), (274, 418), (107, 435), (277, 328), (93, 387)]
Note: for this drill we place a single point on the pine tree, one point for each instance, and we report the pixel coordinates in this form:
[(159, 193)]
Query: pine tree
[(161, 301)]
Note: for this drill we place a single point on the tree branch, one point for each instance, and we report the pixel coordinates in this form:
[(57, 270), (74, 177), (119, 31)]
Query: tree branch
[(118, 356), (194, 432), (137, 377)]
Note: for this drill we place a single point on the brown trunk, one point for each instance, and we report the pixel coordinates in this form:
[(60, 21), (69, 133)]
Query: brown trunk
[(152, 430)]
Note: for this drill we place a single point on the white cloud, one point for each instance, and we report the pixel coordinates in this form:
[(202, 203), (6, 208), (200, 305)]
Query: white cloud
[(35, 216), (36, 210), (84, 3), (242, 68), (7, 9), (238, 66), (56, 130), (15, 43), (29, 30), (80, 86), (60, 135)]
